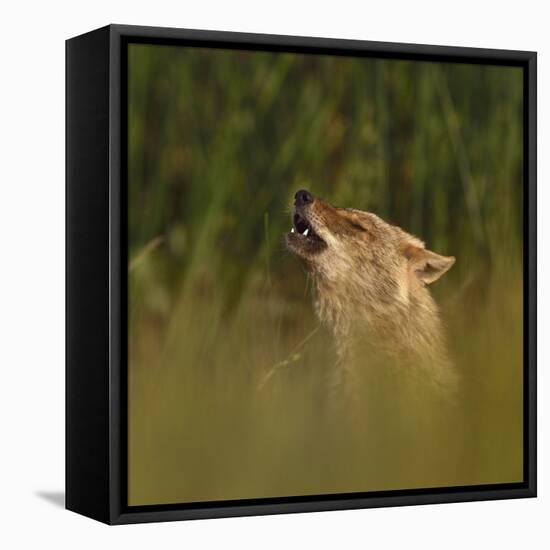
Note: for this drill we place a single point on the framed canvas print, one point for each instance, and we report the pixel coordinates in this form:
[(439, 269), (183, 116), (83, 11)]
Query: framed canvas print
[(300, 274)]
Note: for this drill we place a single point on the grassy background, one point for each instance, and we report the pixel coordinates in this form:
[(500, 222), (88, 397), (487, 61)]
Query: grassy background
[(227, 367)]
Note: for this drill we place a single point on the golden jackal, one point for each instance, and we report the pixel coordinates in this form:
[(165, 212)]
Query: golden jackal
[(371, 285)]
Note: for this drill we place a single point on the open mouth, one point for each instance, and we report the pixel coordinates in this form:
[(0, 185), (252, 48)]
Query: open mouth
[(302, 227), (302, 239)]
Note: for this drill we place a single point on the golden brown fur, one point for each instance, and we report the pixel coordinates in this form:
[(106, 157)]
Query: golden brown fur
[(371, 286)]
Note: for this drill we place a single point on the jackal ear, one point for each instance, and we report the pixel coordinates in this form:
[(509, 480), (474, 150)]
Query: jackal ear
[(427, 265)]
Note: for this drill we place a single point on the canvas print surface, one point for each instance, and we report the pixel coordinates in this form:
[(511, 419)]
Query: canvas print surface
[(325, 277)]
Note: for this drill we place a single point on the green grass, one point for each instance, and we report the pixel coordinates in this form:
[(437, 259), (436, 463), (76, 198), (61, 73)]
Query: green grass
[(239, 405)]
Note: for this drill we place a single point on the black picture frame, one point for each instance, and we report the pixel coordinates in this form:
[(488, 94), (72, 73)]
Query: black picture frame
[(96, 256)]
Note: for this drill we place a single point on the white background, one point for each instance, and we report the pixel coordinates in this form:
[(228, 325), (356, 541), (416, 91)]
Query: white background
[(32, 272)]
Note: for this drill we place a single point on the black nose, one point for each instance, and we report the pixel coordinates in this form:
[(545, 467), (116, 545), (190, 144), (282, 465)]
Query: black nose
[(302, 198)]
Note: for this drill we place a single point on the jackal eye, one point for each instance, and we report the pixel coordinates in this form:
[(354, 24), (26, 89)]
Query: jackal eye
[(356, 226)]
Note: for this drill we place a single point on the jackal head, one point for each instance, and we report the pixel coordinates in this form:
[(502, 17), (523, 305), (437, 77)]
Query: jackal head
[(358, 249)]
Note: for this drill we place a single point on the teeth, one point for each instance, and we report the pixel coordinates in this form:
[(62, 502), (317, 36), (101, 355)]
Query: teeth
[(292, 229), (306, 232)]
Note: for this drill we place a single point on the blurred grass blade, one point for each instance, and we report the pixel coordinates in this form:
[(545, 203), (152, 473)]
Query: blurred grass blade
[(152, 245)]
